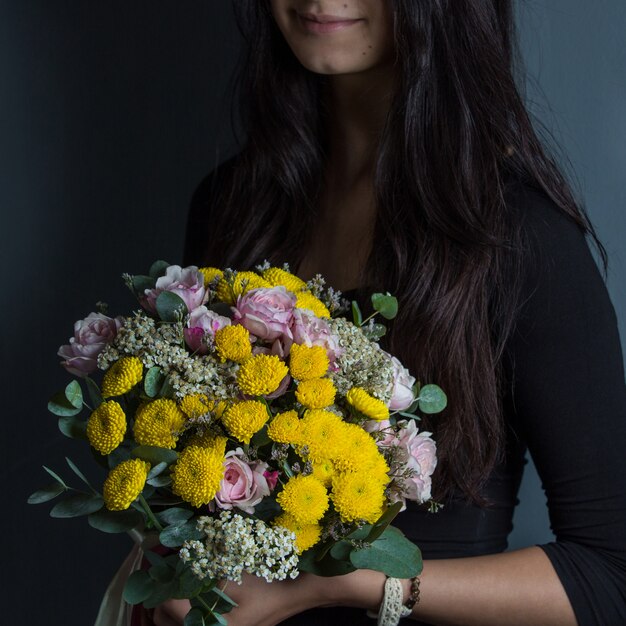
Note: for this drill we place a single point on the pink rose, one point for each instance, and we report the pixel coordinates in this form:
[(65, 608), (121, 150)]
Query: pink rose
[(402, 396), (244, 484), (420, 455), (91, 336), (272, 478), (314, 331), (187, 283), (383, 426), (266, 313), (201, 328)]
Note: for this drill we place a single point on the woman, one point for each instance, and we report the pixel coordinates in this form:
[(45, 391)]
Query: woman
[(390, 150)]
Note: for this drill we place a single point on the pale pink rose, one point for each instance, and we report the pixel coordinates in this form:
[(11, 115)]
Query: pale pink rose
[(266, 312), (91, 336), (384, 426), (310, 330), (187, 283), (244, 484), (420, 454), (402, 396), (201, 327)]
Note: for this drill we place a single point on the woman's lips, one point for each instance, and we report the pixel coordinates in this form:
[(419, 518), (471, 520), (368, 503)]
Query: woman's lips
[(324, 24)]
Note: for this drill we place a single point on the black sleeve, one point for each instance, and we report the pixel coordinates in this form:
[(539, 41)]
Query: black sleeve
[(570, 405)]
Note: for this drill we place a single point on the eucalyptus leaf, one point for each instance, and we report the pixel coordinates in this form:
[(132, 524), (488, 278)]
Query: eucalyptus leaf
[(162, 572), (141, 283), (158, 268), (155, 455), (175, 536), (408, 415), (341, 550), (160, 593), (432, 399), (260, 438), (375, 331), (385, 304), (170, 307), (46, 493), (383, 521), (194, 618), (73, 427), (76, 505), (327, 566), (153, 382), (160, 481), (138, 587), (95, 395), (174, 516), (74, 394), (61, 406), (159, 468), (267, 509), (115, 521), (218, 592), (357, 316), (189, 585), (78, 473), (55, 476)]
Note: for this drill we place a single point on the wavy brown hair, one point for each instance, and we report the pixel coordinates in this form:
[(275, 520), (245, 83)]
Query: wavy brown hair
[(448, 244)]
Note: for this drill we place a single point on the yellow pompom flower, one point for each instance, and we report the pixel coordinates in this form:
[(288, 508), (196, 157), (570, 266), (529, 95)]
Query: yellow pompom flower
[(307, 535), (368, 405), (320, 435), (317, 393), (233, 343), (197, 474), (304, 498), (324, 471), (261, 374), (241, 283), (124, 484), (244, 419), (219, 408), (356, 450), (122, 376), (306, 300), (209, 441), (285, 428), (196, 405), (158, 423), (106, 427), (357, 497), (307, 362), (276, 276), (210, 274)]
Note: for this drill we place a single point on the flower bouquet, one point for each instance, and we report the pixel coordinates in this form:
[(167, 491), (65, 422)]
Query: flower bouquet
[(247, 426)]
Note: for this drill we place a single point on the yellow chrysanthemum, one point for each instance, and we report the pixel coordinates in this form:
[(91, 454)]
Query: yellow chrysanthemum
[(317, 393), (210, 273), (122, 376), (307, 362), (357, 497), (241, 283), (106, 427), (209, 441), (233, 343), (306, 300), (356, 450), (158, 423), (368, 405), (243, 419), (324, 471), (124, 484), (196, 405), (285, 428), (304, 498), (197, 474), (307, 535), (218, 409), (320, 435), (276, 276), (261, 374)]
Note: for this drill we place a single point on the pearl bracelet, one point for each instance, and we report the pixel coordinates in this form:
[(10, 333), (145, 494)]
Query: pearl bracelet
[(391, 609)]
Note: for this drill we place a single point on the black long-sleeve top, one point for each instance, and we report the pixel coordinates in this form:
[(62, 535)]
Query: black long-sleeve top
[(565, 403)]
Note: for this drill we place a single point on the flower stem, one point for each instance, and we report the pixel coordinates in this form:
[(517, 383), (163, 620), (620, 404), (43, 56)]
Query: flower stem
[(149, 513)]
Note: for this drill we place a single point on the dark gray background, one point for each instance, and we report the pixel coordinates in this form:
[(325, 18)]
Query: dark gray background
[(110, 114)]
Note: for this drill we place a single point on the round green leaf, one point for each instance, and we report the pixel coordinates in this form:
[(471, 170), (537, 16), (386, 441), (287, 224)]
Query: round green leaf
[(74, 394), (158, 269), (46, 493), (76, 505), (385, 304), (174, 516), (61, 406), (153, 381), (115, 521), (73, 427), (170, 307), (138, 587), (432, 399), (175, 536), (141, 283), (95, 395)]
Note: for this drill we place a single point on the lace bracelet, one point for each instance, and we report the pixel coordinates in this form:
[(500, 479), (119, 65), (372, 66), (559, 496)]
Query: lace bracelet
[(391, 609)]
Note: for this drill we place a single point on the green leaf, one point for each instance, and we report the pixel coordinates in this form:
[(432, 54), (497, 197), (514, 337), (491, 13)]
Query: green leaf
[(392, 553), (160, 593), (174, 516), (385, 304), (189, 585), (375, 331), (194, 618), (155, 455), (175, 536), (341, 551), (159, 468), (46, 493), (141, 283), (55, 476), (160, 481), (157, 269), (138, 587), (326, 567), (432, 399), (73, 427), (61, 406), (357, 317), (411, 416), (95, 395), (161, 572), (260, 438), (170, 307), (217, 591), (153, 382), (74, 394), (78, 473), (115, 521), (383, 522), (76, 505)]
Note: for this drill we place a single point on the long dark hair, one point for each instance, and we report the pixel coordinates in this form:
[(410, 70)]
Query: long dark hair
[(446, 243)]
